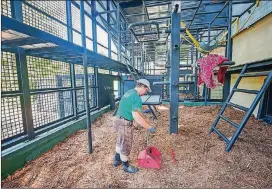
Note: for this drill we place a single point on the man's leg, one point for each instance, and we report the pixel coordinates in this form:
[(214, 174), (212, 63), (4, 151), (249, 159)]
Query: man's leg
[(117, 160), (126, 139)]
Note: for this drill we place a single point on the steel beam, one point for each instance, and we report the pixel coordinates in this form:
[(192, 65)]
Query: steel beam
[(195, 13), (229, 41), (26, 93), (94, 31), (72, 66), (118, 20), (174, 76), (86, 83), (219, 12)]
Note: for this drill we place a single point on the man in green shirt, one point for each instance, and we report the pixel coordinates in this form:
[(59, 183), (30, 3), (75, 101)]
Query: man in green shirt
[(130, 108)]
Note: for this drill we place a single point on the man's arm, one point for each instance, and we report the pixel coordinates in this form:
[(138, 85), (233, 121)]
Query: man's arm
[(140, 119)]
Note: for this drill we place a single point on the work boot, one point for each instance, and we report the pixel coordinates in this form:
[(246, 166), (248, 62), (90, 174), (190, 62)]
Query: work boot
[(117, 160), (128, 168)]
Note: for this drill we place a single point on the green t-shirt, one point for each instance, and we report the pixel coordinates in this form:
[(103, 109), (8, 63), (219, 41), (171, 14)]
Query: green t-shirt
[(129, 103)]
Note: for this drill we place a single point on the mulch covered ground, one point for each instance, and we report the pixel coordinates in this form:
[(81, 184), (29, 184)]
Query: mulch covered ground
[(201, 160)]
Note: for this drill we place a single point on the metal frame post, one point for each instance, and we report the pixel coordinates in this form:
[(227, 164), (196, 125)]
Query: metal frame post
[(94, 26), (118, 20), (196, 96), (206, 88), (109, 33), (26, 94), (94, 14), (86, 83), (226, 88), (16, 13), (229, 41), (174, 76), (142, 62), (72, 66), (167, 75), (132, 52), (61, 110)]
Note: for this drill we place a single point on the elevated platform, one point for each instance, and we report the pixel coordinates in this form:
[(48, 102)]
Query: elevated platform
[(41, 44)]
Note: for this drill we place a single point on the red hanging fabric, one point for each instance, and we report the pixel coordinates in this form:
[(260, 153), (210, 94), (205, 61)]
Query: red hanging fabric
[(207, 65)]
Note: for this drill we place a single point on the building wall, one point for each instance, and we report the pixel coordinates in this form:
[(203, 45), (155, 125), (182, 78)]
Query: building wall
[(243, 99), (251, 45), (254, 43)]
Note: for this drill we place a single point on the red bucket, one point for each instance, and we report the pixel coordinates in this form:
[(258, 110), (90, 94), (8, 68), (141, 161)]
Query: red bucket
[(150, 158)]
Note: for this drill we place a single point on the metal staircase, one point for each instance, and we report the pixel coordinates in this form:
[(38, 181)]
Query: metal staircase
[(133, 72), (239, 127)]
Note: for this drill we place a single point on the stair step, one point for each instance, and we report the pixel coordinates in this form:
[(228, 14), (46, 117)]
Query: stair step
[(221, 135), (229, 121), (246, 91), (255, 74), (237, 106)]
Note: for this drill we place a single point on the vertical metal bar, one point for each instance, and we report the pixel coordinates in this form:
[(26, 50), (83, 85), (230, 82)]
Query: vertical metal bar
[(87, 101), (69, 20), (209, 34), (94, 14), (142, 61), (119, 84), (26, 93), (74, 92), (16, 13), (229, 41), (228, 53), (118, 31), (60, 98), (168, 75), (154, 68), (16, 10), (174, 76), (109, 33), (94, 26), (72, 66), (132, 52), (82, 23), (22, 100), (206, 88), (226, 88), (96, 84), (86, 83)]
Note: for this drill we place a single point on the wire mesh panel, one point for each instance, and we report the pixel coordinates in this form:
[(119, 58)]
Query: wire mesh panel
[(34, 14), (76, 25), (11, 117), (9, 78), (11, 112), (44, 73), (81, 99), (5, 8), (79, 72), (217, 92), (50, 107), (80, 96)]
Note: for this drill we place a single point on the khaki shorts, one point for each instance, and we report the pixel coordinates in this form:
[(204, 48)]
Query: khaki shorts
[(124, 131)]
